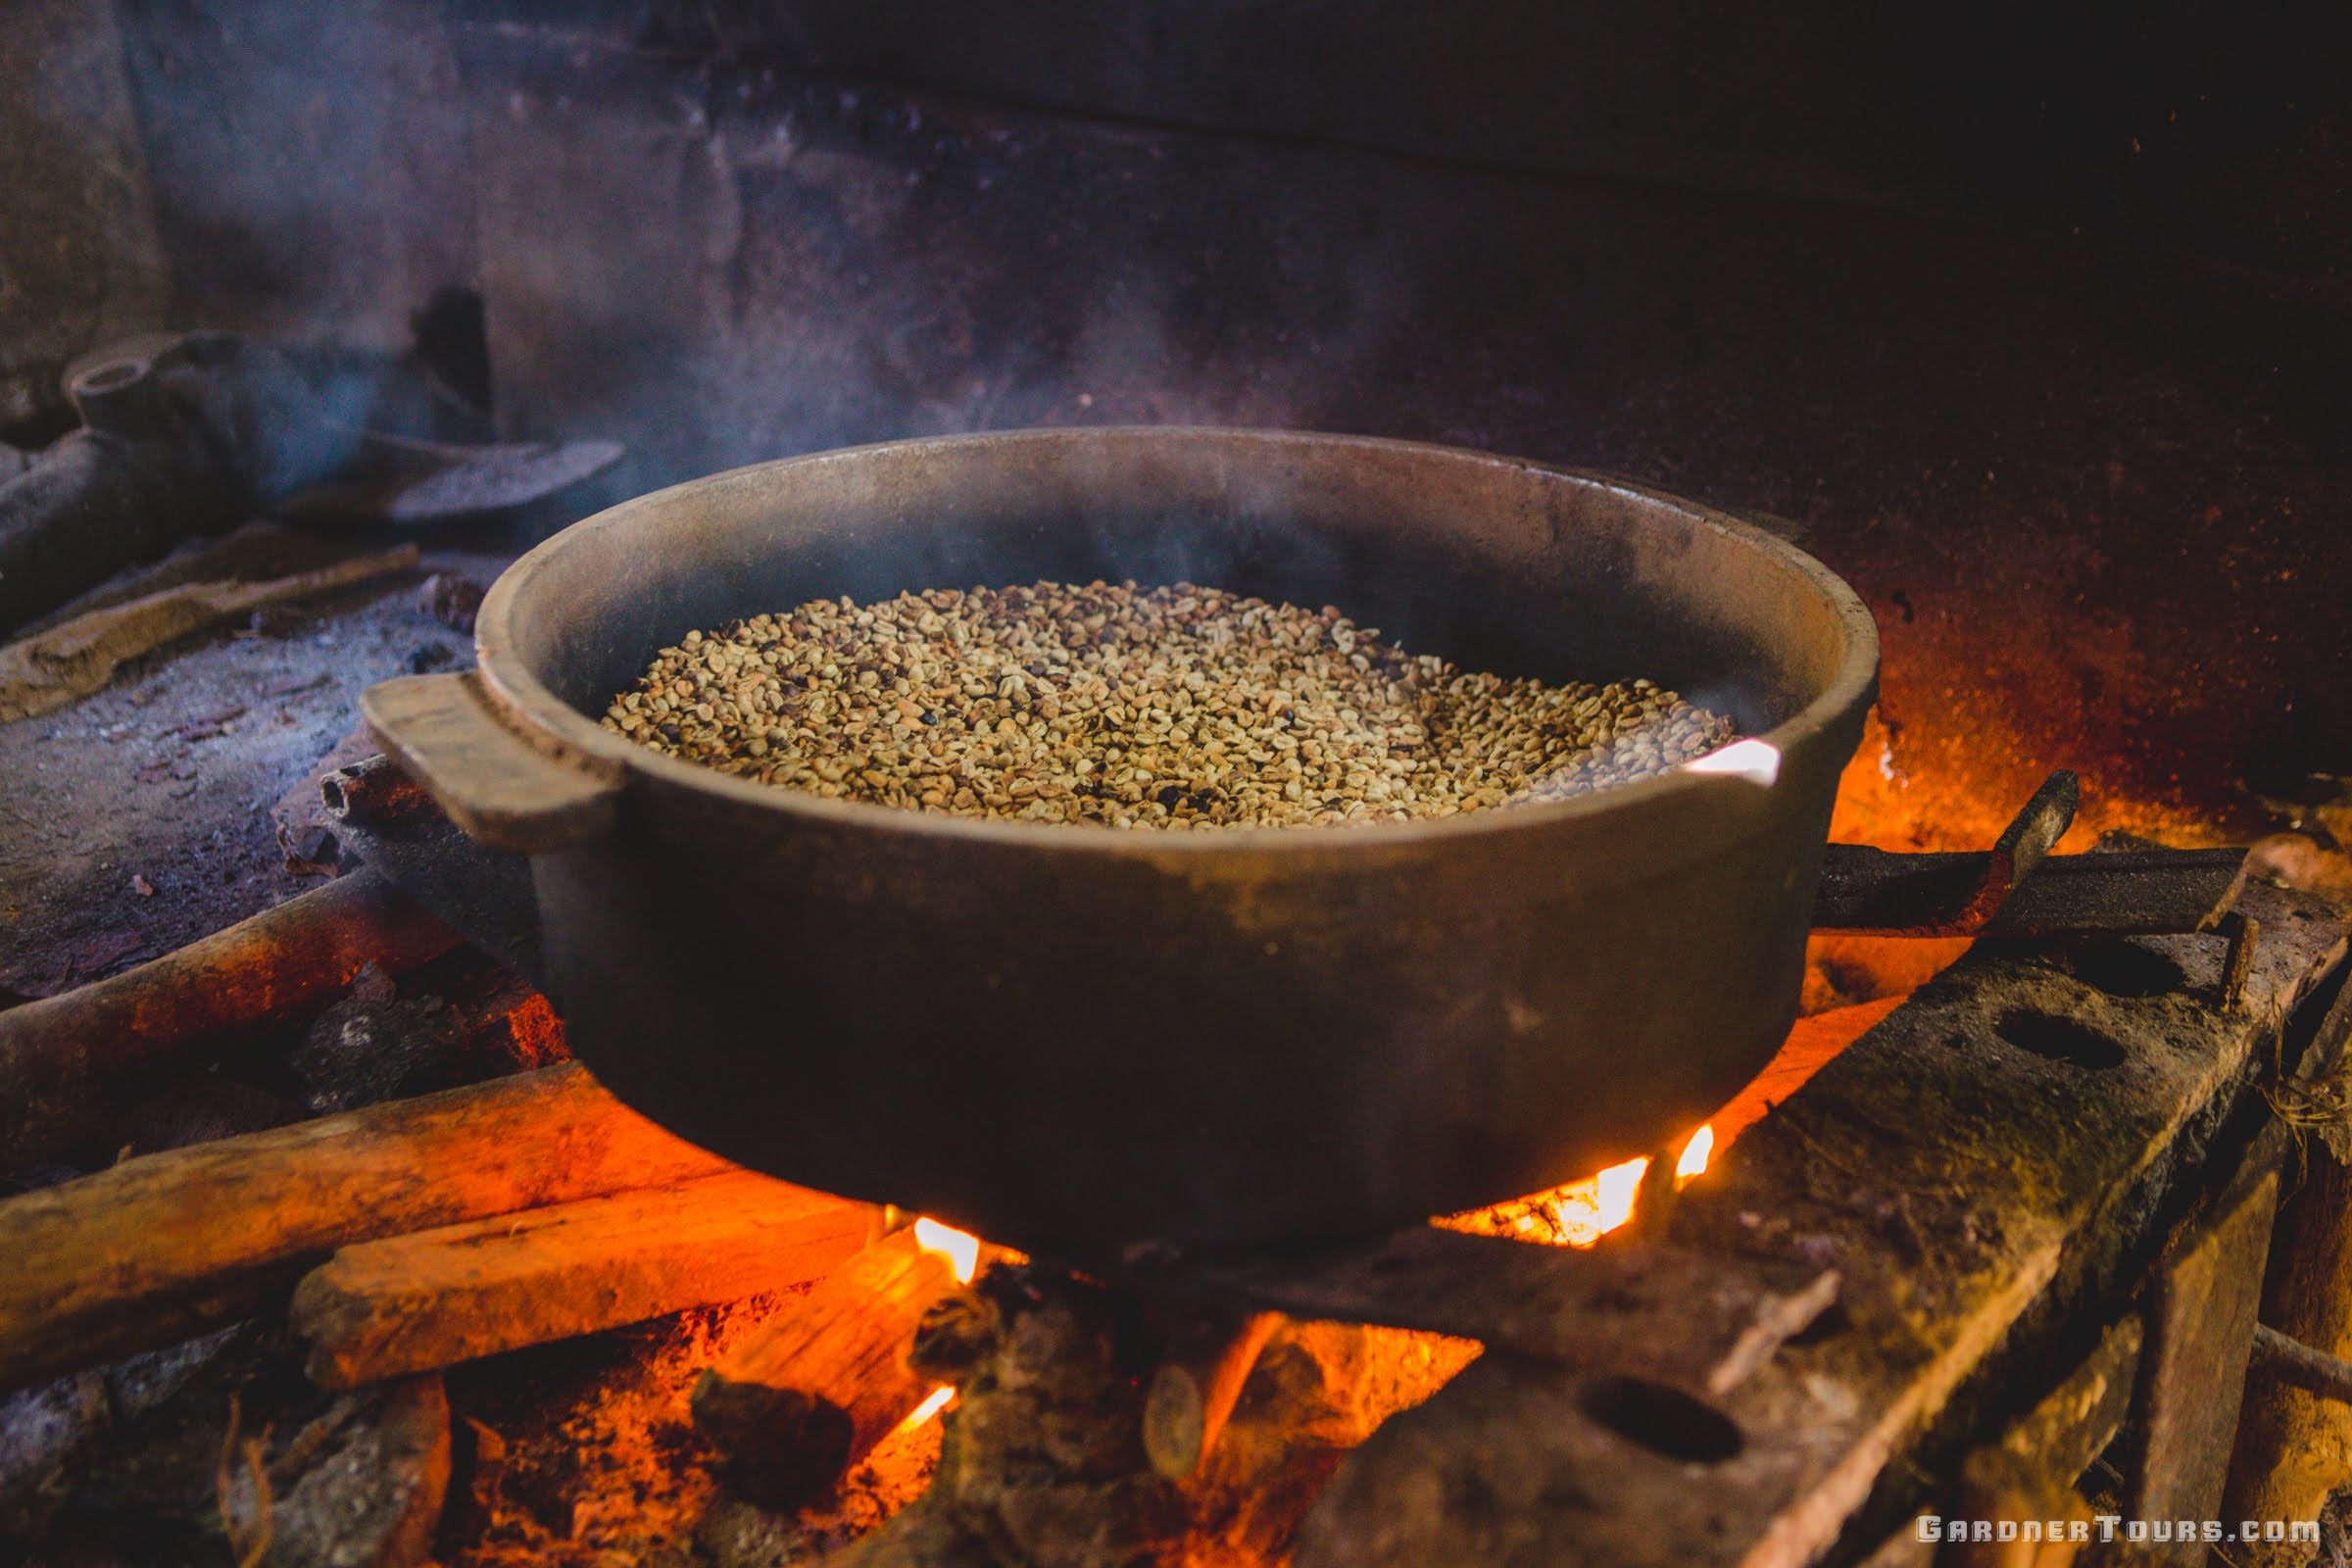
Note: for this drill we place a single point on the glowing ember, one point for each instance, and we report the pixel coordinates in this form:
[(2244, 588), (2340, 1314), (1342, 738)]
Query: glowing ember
[(960, 1249), (936, 1401)]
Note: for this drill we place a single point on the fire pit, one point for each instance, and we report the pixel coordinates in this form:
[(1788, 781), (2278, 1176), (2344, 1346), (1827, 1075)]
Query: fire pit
[(1174, 1200)]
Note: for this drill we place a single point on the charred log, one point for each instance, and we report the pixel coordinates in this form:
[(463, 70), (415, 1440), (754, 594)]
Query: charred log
[(69, 1063)]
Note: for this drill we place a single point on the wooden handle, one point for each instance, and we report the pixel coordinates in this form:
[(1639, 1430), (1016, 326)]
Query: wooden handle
[(504, 792)]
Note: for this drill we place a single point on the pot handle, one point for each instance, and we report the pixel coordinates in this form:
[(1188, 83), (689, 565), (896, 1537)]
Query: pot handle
[(503, 791)]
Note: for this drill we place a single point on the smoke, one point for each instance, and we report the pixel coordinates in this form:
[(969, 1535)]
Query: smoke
[(718, 261), (747, 265)]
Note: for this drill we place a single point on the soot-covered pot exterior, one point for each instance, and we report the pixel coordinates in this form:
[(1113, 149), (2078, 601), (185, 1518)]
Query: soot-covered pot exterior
[(1078, 1039)]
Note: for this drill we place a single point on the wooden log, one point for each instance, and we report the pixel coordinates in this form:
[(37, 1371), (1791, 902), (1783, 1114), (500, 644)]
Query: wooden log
[(433, 1298), (2154, 890), (1193, 1390), (795, 1406), (1042, 1457), (2294, 1448), (69, 1063), (168, 1245)]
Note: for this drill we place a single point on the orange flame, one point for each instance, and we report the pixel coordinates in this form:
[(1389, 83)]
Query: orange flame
[(960, 1248), (1694, 1155), (1585, 1211)]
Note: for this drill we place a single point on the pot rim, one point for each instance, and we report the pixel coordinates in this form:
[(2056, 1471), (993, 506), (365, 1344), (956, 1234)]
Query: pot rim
[(562, 730)]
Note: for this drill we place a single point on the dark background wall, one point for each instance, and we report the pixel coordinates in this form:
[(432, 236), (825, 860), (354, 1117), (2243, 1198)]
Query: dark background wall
[(313, 157), (2216, 126)]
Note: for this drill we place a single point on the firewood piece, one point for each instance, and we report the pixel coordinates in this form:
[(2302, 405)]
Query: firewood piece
[(925, 1534), (433, 1298), (371, 790), (376, 1045), (1195, 1388), (168, 1245), (2294, 1447), (44, 673), (1042, 1461), (1701, 1323), (1653, 1199), (69, 1063), (226, 1451), (1863, 888), (1042, 1457), (794, 1406), (304, 834)]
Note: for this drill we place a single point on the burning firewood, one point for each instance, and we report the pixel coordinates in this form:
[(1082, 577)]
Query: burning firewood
[(1045, 1461), (69, 1063), (426, 1300), (168, 1245), (794, 1407)]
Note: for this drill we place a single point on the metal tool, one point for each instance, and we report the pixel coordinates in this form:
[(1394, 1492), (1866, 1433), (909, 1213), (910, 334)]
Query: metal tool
[(189, 434), (2021, 890)]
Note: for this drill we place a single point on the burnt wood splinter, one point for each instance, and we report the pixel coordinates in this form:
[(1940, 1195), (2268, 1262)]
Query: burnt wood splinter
[(1193, 1390)]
